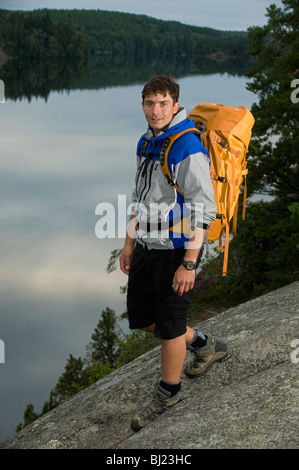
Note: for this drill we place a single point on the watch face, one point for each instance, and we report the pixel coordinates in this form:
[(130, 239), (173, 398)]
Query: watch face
[(189, 265)]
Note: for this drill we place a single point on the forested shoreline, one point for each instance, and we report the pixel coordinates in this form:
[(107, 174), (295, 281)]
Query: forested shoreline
[(47, 35), (46, 50), (143, 38)]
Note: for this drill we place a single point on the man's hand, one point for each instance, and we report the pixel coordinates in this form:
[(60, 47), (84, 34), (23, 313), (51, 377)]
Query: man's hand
[(125, 258), (183, 280)]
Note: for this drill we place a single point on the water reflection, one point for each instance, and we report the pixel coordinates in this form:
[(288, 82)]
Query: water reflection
[(39, 80)]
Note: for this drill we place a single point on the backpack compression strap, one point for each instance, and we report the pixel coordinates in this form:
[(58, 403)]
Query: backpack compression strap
[(167, 144)]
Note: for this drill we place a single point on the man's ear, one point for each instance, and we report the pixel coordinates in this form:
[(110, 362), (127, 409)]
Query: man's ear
[(176, 107)]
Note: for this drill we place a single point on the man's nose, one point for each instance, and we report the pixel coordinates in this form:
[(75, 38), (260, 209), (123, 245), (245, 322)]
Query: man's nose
[(156, 108)]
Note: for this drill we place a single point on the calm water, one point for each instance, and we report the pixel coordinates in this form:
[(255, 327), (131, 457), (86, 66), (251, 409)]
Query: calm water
[(59, 160)]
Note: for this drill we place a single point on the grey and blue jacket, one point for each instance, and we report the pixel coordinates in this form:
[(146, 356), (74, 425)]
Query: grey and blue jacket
[(159, 208)]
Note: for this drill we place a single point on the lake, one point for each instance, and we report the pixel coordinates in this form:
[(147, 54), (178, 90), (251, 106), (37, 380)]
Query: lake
[(60, 158)]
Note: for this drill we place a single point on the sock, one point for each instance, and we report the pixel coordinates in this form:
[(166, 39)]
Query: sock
[(169, 388), (198, 341)]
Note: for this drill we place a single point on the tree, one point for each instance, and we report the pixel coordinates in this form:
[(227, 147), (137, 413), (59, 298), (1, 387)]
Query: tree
[(51, 403), (133, 345), (104, 344), (29, 417), (262, 257), (72, 380), (275, 144)]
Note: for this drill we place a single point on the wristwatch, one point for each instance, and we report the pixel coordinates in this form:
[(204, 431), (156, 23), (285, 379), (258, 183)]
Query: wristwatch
[(189, 265)]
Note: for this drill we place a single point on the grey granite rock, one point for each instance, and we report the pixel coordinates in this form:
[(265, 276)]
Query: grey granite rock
[(248, 402)]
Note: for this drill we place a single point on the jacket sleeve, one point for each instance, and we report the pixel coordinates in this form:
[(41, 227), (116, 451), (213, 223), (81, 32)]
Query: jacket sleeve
[(138, 162), (134, 193)]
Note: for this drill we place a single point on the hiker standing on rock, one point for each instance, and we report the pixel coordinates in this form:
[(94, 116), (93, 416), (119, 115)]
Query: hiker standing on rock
[(162, 248)]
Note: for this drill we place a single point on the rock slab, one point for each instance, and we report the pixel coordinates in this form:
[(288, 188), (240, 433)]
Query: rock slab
[(248, 402)]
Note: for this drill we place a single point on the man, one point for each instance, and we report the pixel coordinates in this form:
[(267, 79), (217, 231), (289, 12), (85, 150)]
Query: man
[(159, 257)]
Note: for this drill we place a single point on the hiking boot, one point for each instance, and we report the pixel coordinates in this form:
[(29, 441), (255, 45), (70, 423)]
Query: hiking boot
[(158, 405), (205, 357)]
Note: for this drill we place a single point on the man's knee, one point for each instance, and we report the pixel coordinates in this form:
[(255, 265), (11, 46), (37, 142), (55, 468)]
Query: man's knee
[(149, 329)]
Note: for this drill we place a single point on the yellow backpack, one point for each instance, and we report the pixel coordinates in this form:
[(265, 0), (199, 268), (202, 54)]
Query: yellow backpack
[(225, 132)]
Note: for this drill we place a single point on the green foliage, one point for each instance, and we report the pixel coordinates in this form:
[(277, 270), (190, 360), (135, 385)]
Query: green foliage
[(73, 380), (40, 51), (29, 417), (95, 370), (50, 404), (140, 39), (113, 260), (134, 345), (274, 166), (65, 49), (294, 210), (104, 344), (34, 38), (262, 257), (73, 34)]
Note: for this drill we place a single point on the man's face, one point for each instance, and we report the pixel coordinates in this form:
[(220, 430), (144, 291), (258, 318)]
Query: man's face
[(159, 111)]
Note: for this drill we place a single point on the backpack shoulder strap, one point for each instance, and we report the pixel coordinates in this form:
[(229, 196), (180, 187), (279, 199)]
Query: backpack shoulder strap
[(167, 144)]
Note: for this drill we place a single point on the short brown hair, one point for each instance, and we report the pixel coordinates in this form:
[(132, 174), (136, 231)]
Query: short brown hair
[(162, 84)]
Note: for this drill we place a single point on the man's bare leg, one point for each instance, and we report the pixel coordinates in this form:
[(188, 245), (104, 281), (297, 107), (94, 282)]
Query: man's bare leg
[(173, 354)]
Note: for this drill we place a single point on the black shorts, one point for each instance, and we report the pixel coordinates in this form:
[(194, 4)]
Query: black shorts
[(150, 297)]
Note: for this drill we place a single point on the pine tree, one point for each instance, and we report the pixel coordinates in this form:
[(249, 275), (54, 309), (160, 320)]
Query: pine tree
[(275, 143), (104, 344), (72, 380), (29, 417)]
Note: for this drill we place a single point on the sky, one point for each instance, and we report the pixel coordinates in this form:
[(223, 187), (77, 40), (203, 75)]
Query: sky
[(229, 15)]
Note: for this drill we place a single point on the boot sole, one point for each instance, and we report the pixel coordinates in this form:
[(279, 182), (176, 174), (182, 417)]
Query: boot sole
[(223, 359)]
